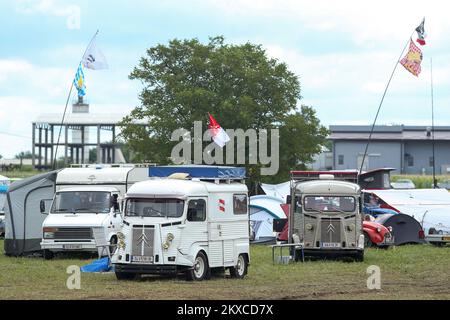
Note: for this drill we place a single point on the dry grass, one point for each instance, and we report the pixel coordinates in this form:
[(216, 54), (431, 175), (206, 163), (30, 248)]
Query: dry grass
[(409, 272)]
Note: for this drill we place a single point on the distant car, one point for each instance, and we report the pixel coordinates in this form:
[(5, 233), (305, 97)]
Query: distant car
[(444, 184), (403, 184)]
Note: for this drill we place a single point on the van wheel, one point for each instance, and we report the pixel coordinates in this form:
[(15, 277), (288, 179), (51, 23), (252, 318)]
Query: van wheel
[(48, 255), (367, 242), (125, 276), (359, 257), (240, 270), (200, 270)]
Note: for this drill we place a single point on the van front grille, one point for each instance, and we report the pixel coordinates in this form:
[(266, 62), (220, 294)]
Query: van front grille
[(73, 234), (143, 241), (330, 230)]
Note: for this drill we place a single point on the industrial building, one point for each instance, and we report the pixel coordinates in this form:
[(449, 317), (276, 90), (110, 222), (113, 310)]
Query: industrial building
[(409, 149)]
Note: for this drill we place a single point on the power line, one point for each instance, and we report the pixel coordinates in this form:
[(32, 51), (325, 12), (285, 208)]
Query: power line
[(14, 135)]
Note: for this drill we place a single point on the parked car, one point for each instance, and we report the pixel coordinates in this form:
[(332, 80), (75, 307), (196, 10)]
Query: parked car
[(375, 234), (444, 184), (403, 184)]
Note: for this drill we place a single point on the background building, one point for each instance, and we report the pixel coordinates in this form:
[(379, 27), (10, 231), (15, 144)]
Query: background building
[(408, 149), (85, 137)]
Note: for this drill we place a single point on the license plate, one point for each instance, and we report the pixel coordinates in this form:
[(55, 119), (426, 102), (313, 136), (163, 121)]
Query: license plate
[(446, 238), (331, 245), (144, 259), (71, 246)]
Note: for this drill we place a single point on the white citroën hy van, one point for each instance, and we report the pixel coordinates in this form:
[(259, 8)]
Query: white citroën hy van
[(184, 224)]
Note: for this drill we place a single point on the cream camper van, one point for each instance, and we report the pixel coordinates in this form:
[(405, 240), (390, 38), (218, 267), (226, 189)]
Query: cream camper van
[(188, 219)]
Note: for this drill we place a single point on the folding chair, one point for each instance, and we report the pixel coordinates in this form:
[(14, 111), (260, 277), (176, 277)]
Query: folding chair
[(101, 243)]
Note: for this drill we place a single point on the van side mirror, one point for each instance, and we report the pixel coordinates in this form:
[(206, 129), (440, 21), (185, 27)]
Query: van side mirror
[(115, 202), (42, 206)]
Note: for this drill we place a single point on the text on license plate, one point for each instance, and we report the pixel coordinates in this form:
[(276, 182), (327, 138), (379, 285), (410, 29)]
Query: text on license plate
[(331, 245), (71, 246), (147, 259)]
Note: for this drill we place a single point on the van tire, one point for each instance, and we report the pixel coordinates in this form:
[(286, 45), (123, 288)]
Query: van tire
[(200, 270), (126, 276), (240, 270), (48, 255), (367, 242)]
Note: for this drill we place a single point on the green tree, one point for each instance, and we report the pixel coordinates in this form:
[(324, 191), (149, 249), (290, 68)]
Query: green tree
[(238, 84), (24, 155)]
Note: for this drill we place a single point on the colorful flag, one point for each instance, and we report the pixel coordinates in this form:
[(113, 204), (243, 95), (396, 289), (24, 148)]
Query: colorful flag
[(93, 58), (78, 81), (412, 60), (421, 35), (219, 135)]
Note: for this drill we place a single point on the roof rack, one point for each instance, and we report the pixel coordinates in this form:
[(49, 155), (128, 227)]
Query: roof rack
[(350, 176), (112, 165), (216, 174)]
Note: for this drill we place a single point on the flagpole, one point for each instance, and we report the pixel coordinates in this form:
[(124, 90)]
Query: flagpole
[(432, 126), (381, 103), (67, 102)]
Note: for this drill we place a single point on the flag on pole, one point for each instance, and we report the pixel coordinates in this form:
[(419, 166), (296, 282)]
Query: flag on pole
[(412, 60), (421, 35), (94, 58), (78, 81), (219, 135)]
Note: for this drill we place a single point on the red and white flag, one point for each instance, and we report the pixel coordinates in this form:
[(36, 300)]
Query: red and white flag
[(413, 59), (219, 135)]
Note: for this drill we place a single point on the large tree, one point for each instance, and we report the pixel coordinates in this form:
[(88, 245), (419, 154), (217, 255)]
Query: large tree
[(239, 84)]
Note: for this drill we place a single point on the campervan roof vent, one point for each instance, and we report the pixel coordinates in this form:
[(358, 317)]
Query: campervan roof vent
[(179, 176), (326, 177)]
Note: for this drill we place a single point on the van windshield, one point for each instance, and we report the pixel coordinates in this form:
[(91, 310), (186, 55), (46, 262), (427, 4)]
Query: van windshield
[(158, 207), (82, 202), (329, 203)]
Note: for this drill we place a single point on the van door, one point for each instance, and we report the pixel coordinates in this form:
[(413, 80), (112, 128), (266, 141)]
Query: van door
[(196, 230)]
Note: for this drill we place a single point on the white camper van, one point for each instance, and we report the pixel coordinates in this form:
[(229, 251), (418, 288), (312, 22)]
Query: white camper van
[(87, 199), (180, 224)]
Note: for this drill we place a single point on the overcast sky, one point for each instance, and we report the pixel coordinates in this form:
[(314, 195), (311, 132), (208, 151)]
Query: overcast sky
[(343, 52)]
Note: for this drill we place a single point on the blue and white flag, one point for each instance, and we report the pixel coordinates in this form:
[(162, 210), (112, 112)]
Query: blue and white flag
[(78, 81)]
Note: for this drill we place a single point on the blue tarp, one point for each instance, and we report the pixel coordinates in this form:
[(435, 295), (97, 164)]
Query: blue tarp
[(199, 171), (100, 265), (3, 189), (375, 211)]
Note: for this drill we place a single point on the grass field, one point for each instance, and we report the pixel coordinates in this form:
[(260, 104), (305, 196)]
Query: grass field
[(409, 272)]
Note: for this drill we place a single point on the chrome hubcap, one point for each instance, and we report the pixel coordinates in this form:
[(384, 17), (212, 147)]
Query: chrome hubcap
[(199, 267), (241, 265)]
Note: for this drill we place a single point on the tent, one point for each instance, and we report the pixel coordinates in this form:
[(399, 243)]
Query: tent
[(430, 207), (263, 209), (23, 229), (281, 190)]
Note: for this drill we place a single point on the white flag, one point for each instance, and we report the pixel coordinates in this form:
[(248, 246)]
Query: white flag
[(94, 59)]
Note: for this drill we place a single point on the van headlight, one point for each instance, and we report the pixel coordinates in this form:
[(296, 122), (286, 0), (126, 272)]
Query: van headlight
[(309, 227), (49, 233)]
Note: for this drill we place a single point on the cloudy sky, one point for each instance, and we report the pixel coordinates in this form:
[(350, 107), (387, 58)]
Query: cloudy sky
[(343, 52)]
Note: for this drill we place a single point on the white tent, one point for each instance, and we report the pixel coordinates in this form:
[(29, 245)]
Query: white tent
[(281, 190), (431, 207), (263, 209)]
